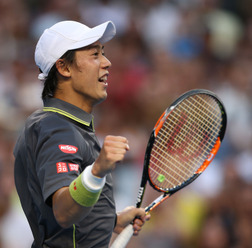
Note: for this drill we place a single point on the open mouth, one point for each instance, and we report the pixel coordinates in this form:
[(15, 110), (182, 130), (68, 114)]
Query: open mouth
[(103, 79)]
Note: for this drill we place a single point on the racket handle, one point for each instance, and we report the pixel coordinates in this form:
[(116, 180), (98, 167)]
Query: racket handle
[(123, 238)]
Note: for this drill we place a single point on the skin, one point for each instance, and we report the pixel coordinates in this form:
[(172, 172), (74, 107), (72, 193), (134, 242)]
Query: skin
[(84, 84)]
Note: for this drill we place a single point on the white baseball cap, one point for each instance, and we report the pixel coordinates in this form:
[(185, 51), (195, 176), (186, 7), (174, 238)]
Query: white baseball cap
[(68, 35)]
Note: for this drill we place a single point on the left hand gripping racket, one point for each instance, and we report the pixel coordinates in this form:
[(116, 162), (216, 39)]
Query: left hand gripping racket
[(182, 144)]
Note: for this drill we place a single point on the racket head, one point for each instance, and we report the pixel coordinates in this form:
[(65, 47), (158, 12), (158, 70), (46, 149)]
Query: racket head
[(184, 140)]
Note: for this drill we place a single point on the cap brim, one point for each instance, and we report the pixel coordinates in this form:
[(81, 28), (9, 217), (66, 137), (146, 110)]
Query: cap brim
[(103, 33)]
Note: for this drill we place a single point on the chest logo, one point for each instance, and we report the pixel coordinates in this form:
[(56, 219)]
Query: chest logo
[(68, 148)]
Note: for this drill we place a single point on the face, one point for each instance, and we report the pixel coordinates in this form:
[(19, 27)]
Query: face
[(89, 74)]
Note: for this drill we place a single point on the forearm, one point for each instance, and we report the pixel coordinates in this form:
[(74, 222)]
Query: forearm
[(66, 210), (72, 204)]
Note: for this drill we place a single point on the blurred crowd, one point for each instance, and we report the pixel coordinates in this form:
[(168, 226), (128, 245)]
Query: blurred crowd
[(162, 49)]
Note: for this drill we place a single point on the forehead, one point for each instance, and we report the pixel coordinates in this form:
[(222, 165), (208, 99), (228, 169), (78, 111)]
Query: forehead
[(96, 45)]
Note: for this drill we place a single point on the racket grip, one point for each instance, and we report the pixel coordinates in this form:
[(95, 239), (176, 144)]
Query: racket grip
[(123, 238)]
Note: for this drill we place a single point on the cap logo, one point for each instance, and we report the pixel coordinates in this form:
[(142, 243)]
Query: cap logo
[(68, 148)]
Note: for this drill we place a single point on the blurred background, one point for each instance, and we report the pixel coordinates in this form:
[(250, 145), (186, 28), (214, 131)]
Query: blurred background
[(162, 49)]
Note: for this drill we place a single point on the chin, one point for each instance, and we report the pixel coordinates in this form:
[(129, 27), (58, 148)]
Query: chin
[(101, 99)]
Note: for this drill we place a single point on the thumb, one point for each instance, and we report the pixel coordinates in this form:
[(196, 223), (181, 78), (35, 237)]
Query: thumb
[(139, 212)]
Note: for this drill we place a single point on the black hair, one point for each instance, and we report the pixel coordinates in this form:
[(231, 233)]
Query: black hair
[(51, 81)]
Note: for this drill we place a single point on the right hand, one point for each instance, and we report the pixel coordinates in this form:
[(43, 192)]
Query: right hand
[(113, 150), (131, 214)]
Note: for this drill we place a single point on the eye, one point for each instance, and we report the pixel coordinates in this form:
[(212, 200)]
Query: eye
[(103, 52)]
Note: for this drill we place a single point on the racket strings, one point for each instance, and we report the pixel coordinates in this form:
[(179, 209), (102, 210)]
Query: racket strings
[(213, 115), (192, 144), (184, 141), (186, 169), (161, 159), (183, 178), (195, 135), (213, 120), (174, 178)]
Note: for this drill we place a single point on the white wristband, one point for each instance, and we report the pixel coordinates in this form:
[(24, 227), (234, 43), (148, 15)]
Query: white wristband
[(90, 182)]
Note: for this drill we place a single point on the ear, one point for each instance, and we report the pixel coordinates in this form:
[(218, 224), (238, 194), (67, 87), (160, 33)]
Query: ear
[(62, 68)]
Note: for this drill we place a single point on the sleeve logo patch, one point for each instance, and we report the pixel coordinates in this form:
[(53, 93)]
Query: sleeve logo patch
[(61, 167), (68, 148), (73, 167)]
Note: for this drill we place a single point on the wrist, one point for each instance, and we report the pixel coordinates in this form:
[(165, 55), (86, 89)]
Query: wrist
[(90, 181), (96, 170), (86, 188)]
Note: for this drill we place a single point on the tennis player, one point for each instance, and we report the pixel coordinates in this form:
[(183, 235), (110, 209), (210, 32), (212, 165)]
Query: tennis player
[(62, 174)]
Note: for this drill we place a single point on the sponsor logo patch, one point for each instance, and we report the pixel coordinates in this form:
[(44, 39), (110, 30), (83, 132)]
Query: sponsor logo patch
[(73, 167), (61, 167), (68, 148)]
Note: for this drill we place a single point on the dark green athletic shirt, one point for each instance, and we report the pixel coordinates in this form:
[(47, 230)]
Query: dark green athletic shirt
[(55, 146)]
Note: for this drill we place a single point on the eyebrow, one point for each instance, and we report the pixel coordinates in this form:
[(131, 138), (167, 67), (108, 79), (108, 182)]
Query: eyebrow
[(95, 47)]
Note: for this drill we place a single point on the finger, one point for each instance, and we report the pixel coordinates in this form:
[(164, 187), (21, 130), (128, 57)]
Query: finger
[(138, 223), (140, 213), (119, 140), (117, 147), (116, 138), (137, 229), (116, 143), (147, 217)]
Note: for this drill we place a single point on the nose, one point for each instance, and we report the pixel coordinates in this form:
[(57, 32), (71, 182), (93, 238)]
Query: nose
[(106, 63)]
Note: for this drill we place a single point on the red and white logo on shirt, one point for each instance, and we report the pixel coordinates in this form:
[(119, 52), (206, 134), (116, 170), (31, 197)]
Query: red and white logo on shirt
[(68, 148), (62, 167), (73, 167)]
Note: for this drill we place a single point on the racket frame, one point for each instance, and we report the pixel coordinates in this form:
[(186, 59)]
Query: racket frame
[(154, 133)]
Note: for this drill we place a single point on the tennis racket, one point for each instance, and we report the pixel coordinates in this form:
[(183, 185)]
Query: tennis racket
[(182, 144)]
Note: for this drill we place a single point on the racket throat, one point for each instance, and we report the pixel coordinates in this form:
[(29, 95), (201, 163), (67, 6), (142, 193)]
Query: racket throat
[(156, 202)]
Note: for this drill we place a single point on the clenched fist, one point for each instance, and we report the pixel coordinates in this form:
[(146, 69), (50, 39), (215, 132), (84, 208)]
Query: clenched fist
[(113, 150)]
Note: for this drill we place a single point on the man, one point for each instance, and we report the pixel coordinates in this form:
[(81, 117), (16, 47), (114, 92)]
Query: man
[(62, 176)]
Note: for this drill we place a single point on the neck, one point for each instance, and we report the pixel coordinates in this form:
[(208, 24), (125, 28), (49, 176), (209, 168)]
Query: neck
[(74, 99)]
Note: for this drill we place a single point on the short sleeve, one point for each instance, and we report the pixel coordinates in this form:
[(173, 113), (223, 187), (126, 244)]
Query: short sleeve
[(61, 154)]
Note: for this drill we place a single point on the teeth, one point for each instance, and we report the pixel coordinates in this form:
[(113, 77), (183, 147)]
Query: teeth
[(104, 79)]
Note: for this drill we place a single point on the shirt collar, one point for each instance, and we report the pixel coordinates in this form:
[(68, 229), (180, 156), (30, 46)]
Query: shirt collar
[(71, 111)]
